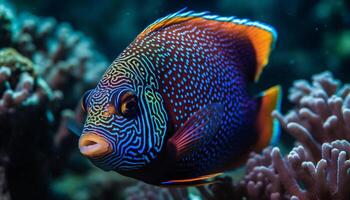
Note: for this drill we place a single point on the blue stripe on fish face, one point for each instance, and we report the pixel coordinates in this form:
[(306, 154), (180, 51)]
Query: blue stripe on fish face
[(137, 140)]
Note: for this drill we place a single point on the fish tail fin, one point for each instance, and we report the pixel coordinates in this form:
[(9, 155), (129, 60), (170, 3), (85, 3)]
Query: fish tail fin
[(267, 127)]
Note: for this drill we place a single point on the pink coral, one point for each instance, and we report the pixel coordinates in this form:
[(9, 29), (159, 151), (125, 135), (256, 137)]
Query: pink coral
[(326, 179), (322, 112)]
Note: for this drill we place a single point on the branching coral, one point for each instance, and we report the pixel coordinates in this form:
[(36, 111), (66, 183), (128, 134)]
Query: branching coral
[(329, 178), (19, 84), (58, 50), (65, 58), (24, 142), (45, 66), (322, 113), (318, 168), (297, 177), (261, 180)]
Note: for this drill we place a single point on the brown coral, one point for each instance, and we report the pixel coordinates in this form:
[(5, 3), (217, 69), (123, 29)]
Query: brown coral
[(19, 85)]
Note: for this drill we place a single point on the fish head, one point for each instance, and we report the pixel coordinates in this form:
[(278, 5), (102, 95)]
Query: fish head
[(126, 122)]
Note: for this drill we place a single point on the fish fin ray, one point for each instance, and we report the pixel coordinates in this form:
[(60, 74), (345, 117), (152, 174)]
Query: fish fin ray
[(268, 127), (198, 129), (197, 181)]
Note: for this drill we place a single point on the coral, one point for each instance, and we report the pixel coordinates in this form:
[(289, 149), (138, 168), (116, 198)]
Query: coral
[(298, 177), (25, 142), (320, 117), (322, 112), (261, 180), (19, 84), (328, 178), (45, 66), (66, 58)]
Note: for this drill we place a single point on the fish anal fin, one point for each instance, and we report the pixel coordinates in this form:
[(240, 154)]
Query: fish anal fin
[(201, 180)]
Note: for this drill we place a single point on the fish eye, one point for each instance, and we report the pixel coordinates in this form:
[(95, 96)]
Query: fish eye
[(128, 104), (83, 100)]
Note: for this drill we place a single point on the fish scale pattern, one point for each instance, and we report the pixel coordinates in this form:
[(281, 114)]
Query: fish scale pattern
[(198, 65)]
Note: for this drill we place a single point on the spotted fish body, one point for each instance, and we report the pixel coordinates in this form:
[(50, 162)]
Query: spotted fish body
[(194, 118)]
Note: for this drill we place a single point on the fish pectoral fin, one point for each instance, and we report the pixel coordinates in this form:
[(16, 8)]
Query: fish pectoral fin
[(197, 130), (202, 180)]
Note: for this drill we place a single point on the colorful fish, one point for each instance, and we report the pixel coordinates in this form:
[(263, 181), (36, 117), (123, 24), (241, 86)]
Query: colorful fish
[(173, 108)]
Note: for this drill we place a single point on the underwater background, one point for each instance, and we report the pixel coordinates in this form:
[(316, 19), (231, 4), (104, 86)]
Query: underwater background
[(53, 51)]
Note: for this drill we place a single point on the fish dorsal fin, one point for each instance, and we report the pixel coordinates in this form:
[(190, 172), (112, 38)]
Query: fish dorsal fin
[(261, 36), (198, 129), (169, 20)]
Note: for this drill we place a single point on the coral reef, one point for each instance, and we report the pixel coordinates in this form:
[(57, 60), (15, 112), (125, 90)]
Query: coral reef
[(25, 146), (45, 66), (19, 83), (328, 178), (317, 168), (298, 177), (66, 58), (322, 112), (261, 180)]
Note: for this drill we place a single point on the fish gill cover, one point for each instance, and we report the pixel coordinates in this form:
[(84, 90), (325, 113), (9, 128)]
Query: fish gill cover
[(46, 65)]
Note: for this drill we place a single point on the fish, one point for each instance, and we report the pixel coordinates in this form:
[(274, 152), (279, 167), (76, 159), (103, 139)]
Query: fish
[(174, 108)]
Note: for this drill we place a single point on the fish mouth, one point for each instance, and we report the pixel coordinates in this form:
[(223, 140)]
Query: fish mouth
[(92, 145)]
